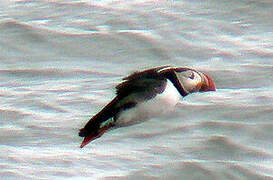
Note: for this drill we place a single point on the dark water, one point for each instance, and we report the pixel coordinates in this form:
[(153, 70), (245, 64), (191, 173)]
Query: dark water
[(60, 61)]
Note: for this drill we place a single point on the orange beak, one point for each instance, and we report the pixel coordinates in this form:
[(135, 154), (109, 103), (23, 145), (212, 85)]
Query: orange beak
[(208, 84)]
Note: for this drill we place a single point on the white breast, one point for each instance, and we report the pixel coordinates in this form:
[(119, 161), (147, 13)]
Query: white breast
[(162, 103)]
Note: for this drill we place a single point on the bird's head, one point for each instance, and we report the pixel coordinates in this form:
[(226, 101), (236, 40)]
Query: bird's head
[(194, 81), (188, 80)]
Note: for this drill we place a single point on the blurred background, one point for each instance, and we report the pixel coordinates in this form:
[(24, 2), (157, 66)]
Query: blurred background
[(60, 61)]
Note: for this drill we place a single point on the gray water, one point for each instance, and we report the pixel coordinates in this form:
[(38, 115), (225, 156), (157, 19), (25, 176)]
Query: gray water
[(60, 62)]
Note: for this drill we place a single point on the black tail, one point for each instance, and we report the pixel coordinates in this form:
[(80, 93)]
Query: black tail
[(93, 129), (94, 123)]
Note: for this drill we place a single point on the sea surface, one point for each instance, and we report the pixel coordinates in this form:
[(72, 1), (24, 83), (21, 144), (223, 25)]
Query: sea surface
[(61, 60)]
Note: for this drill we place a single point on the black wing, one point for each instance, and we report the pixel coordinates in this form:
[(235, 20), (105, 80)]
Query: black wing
[(149, 82)]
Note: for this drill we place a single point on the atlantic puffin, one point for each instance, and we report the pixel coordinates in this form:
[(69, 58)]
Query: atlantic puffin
[(146, 94)]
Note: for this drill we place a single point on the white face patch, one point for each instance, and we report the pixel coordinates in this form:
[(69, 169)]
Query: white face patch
[(190, 80)]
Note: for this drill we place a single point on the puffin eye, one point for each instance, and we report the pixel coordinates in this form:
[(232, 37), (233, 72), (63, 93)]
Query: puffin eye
[(191, 76)]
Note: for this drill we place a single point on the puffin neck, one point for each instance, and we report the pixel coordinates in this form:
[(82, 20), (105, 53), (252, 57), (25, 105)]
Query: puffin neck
[(180, 87), (173, 78)]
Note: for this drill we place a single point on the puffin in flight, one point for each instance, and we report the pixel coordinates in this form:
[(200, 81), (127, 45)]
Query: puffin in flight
[(146, 94)]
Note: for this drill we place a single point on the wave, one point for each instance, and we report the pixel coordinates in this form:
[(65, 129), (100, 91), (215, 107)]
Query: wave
[(201, 169)]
